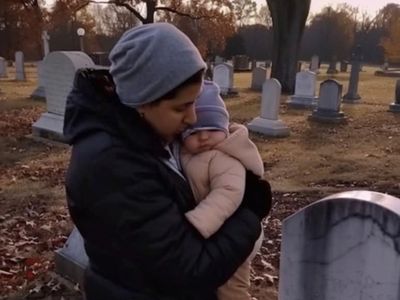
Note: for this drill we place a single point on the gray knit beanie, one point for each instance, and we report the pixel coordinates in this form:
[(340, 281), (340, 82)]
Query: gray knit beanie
[(151, 60), (210, 111)]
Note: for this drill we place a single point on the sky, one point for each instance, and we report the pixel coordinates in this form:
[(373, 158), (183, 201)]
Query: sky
[(370, 6)]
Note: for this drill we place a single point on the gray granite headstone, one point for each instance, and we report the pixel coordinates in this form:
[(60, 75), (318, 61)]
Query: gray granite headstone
[(268, 123), (59, 70), (304, 96), (219, 60), (343, 247), (352, 94), (385, 66), (259, 75), (223, 77), (39, 92), (332, 67), (71, 260), (3, 67), (240, 63), (19, 66), (299, 66), (314, 66), (395, 106), (328, 108), (343, 66)]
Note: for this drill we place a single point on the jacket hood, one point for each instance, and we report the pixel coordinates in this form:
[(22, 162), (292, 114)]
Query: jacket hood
[(239, 146), (93, 106)]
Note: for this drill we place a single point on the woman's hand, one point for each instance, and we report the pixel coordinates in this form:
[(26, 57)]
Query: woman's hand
[(257, 195)]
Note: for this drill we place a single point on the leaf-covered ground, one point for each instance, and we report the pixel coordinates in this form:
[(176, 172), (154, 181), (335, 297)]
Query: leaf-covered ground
[(315, 161)]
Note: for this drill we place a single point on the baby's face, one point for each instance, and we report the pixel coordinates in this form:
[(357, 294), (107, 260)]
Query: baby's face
[(203, 140)]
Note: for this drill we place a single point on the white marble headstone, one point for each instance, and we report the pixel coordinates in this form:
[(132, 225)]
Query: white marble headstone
[(304, 96), (305, 83), (59, 70), (343, 247), (71, 260), (268, 123), (271, 95), (19, 66), (3, 67), (223, 77), (330, 95)]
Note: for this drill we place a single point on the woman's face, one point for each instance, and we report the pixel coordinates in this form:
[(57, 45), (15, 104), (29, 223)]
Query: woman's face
[(171, 117)]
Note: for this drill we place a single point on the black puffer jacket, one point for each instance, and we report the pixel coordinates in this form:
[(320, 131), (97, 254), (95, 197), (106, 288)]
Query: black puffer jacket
[(129, 206)]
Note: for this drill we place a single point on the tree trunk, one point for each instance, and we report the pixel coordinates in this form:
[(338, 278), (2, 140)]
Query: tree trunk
[(289, 18), (151, 10)]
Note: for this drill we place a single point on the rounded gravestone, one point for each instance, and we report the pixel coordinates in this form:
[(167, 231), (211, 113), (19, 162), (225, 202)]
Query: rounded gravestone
[(345, 246), (223, 77), (59, 70)]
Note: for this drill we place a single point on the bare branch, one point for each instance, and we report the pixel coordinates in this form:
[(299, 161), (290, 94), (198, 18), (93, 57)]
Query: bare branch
[(128, 7), (116, 3), (169, 9), (82, 6)]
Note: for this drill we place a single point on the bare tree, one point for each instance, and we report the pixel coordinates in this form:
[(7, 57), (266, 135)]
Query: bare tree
[(154, 6), (289, 18)]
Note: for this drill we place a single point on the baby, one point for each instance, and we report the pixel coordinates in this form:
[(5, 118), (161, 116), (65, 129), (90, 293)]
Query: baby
[(214, 158)]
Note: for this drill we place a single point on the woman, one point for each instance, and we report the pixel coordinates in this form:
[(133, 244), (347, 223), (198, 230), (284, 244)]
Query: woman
[(125, 190)]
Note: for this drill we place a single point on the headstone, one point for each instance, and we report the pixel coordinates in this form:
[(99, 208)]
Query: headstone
[(209, 71), (100, 58), (39, 92), (332, 67), (343, 247), (343, 66), (304, 96), (219, 60), (240, 63), (3, 67), (223, 77), (71, 260), (45, 38), (259, 75), (59, 69), (299, 66), (395, 106), (19, 66), (314, 66), (352, 94), (253, 64), (268, 123), (328, 108), (385, 66)]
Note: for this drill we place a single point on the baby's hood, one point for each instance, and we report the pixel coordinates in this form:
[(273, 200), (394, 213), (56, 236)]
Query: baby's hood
[(239, 146)]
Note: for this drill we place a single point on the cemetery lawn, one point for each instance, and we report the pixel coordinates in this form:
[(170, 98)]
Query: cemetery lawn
[(316, 160)]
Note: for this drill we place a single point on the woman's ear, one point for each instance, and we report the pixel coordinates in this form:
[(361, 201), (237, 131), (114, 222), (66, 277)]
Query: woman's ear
[(142, 109)]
